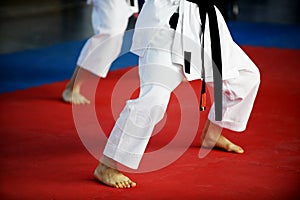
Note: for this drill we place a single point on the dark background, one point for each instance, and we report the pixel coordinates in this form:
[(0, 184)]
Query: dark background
[(37, 23)]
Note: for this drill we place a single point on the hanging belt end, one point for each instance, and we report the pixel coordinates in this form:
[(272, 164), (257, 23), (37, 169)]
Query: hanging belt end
[(203, 102), (203, 96)]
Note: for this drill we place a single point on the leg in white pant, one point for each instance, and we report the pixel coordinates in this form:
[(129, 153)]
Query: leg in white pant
[(132, 131), (134, 127), (238, 93), (159, 77), (238, 98), (109, 19)]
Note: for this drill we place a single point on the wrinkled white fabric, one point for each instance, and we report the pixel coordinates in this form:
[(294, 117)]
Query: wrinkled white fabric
[(187, 37), (109, 20), (160, 50)]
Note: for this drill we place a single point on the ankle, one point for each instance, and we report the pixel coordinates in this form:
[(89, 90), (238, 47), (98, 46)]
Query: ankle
[(108, 162)]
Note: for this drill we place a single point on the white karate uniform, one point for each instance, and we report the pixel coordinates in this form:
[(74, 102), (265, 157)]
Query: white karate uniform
[(109, 20), (160, 50)]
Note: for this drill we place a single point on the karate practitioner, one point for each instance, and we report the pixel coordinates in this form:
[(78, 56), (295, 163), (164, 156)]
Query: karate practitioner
[(162, 47), (109, 20)]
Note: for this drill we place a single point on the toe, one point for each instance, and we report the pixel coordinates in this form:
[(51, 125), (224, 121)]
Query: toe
[(235, 148), (240, 150), (120, 185), (124, 184), (85, 100), (132, 184), (128, 184)]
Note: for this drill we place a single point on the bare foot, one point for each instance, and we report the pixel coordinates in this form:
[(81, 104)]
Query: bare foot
[(211, 138), (73, 97), (227, 145), (112, 177)]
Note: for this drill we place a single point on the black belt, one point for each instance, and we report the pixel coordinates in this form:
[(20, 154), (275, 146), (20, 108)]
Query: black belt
[(207, 7), (132, 2)]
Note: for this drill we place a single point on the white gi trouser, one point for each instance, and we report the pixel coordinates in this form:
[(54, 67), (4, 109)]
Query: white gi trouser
[(160, 71), (109, 20)]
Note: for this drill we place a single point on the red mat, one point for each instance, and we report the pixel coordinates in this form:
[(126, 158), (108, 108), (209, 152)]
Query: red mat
[(42, 156)]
